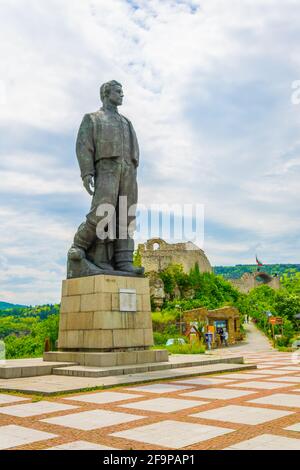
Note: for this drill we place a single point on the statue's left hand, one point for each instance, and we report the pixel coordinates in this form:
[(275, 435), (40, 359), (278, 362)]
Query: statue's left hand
[(88, 183)]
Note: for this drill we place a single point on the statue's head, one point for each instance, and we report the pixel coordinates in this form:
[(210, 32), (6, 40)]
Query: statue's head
[(111, 92)]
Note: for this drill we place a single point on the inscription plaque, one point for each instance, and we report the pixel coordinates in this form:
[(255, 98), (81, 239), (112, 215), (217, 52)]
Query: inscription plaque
[(127, 300)]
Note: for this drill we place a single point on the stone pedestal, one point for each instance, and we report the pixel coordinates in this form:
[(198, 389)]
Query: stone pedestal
[(106, 319)]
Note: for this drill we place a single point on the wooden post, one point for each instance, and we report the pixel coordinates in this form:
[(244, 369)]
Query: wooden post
[(273, 333)]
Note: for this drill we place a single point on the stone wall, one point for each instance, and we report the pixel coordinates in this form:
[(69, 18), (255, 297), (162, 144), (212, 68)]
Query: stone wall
[(156, 255), (251, 280)]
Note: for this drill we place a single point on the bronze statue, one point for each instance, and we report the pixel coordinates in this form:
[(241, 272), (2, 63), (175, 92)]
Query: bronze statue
[(108, 156)]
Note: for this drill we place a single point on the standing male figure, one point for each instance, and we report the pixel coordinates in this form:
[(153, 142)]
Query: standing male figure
[(108, 156)]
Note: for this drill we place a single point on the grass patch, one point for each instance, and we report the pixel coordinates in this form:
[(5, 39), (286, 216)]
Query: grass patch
[(189, 348)]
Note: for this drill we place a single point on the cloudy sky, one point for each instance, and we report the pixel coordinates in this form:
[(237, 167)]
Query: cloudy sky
[(209, 87)]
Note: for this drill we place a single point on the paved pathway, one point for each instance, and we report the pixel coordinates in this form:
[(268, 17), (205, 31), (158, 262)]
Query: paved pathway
[(255, 341), (257, 409)]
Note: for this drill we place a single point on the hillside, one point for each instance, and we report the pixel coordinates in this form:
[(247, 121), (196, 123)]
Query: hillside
[(39, 311), (235, 272), (5, 305)]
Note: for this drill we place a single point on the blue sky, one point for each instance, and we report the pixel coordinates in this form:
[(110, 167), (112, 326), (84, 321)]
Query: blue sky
[(208, 86)]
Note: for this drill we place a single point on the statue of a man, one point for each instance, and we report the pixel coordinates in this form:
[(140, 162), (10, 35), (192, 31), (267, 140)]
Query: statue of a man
[(108, 156)]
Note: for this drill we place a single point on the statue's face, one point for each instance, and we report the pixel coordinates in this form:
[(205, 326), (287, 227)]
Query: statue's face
[(116, 95)]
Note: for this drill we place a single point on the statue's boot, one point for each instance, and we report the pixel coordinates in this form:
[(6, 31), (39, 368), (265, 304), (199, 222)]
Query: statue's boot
[(123, 254), (83, 240)]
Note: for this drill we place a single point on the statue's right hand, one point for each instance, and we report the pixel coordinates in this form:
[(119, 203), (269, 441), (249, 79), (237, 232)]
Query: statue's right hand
[(88, 183)]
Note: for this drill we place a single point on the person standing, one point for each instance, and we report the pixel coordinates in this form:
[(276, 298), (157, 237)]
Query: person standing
[(226, 338)]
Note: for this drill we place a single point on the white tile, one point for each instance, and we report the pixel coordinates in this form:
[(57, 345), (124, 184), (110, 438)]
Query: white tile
[(263, 366), (81, 445), (273, 372), (292, 379), (163, 405), (103, 397), (217, 393), (294, 427), (242, 414), (275, 365), (13, 436), (279, 399), (206, 381), (94, 419), (259, 385), (4, 399), (160, 388), (243, 376), (267, 442), (34, 409), (172, 434)]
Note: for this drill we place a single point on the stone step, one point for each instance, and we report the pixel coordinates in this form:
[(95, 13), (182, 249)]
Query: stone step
[(16, 368), (84, 371), (108, 359), (53, 384), (87, 371)]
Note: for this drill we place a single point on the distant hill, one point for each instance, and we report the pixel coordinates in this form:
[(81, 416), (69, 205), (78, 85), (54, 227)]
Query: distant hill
[(235, 272), (5, 305), (38, 311)]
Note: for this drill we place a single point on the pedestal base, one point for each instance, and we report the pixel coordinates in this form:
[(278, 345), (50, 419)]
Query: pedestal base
[(105, 320)]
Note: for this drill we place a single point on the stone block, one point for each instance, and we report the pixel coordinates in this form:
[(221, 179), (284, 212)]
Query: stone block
[(50, 356), (70, 304), (128, 339), (143, 320), (80, 321), (10, 372), (145, 356), (140, 284), (93, 302), (70, 339), (146, 303), (63, 318), (109, 283), (127, 357), (139, 303), (107, 320), (99, 284), (161, 355), (64, 288), (148, 337), (106, 359), (33, 371), (82, 285), (115, 302), (62, 339), (98, 339), (64, 356)]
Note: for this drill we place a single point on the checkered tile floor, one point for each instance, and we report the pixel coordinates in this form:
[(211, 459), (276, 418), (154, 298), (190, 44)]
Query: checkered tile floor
[(259, 409)]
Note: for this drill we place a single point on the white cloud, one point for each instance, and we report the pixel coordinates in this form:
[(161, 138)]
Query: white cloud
[(31, 174)]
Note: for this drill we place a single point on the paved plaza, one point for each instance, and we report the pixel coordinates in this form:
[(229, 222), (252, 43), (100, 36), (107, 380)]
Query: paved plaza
[(256, 409)]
